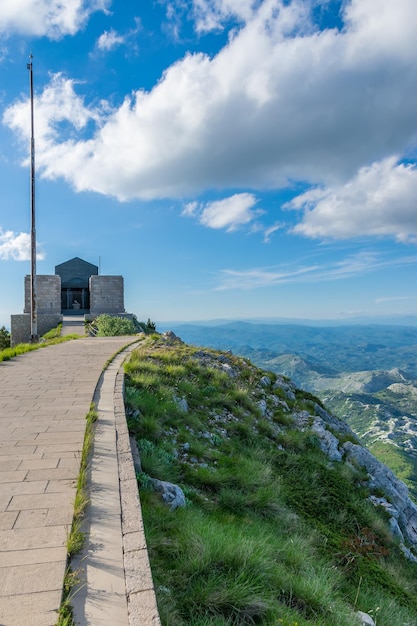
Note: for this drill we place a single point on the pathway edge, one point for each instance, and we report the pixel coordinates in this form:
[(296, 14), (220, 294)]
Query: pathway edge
[(115, 586), (140, 592)]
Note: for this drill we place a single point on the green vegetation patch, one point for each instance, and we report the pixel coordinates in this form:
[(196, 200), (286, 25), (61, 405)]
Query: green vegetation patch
[(271, 532), (4, 338), (114, 325), (76, 536), (402, 463), (50, 338)]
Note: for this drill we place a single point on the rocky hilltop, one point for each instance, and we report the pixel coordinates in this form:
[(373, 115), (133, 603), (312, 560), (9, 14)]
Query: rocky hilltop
[(260, 506)]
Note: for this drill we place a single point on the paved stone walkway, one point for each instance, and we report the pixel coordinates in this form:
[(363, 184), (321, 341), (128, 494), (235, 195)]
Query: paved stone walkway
[(73, 325), (44, 398)]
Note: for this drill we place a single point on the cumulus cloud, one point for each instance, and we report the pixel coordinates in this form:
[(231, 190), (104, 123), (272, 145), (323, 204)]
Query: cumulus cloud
[(52, 18), (58, 103), (230, 213), (109, 40), (16, 246), (283, 101), (379, 201)]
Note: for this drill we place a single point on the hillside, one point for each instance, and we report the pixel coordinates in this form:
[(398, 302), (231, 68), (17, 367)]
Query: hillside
[(380, 406), (259, 506), (367, 376)]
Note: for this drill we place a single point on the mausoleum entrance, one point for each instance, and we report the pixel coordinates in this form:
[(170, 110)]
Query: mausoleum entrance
[(75, 285), (75, 300), (76, 288)]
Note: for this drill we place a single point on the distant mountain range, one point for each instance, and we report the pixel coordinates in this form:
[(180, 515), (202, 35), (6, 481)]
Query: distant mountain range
[(336, 348), (386, 320), (365, 374)]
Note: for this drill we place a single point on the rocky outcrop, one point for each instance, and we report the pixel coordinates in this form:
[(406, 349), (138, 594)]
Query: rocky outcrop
[(171, 494), (365, 619), (330, 431), (329, 443), (397, 501)]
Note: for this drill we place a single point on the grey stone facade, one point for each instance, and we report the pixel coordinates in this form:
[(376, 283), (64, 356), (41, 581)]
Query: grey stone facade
[(106, 295), (20, 326), (74, 289), (48, 294)]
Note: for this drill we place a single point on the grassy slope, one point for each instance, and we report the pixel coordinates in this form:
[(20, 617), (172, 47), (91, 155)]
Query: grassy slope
[(271, 533)]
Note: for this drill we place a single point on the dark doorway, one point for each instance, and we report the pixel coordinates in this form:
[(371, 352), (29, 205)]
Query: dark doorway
[(75, 293), (75, 300)]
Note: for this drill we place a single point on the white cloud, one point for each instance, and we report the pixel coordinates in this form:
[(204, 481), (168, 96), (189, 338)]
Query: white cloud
[(52, 18), (190, 209), (280, 102), (109, 40), (352, 265), (268, 232), (16, 246), (394, 299), (210, 14), (379, 201), (58, 103), (229, 213), (255, 278)]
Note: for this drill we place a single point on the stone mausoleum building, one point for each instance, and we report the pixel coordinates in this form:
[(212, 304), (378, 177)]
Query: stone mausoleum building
[(76, 288)]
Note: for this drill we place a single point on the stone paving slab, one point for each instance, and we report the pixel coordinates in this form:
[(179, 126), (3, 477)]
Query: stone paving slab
[(28, 557), (44, 398), (30, 579), (21, 610), (22, 487)]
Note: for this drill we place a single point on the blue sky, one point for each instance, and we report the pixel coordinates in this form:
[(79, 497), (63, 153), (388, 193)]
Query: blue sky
[(230, 158)]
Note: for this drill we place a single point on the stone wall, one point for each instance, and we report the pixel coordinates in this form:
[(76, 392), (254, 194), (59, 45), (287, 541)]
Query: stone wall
[(48, 294), (106, 295), (20, 326)]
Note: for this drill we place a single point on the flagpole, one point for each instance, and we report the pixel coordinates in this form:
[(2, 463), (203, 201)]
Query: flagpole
[(34, 338)]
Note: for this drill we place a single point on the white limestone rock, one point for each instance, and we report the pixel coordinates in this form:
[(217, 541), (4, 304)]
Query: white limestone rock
[(171, 494)]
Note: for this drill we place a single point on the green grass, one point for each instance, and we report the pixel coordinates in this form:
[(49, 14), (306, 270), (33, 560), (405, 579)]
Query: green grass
[(76, 535), (49, 339), (271, 533), (403, 464), (53, 333)]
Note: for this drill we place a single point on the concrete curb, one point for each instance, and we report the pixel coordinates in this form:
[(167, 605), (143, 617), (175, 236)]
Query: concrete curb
[(141, 600)]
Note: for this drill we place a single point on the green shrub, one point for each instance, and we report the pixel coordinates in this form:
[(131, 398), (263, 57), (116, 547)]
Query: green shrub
[(110, 326), (4, 338), (148, 327)]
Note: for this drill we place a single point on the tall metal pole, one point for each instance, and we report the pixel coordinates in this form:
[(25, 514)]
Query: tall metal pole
[(33, 300)]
